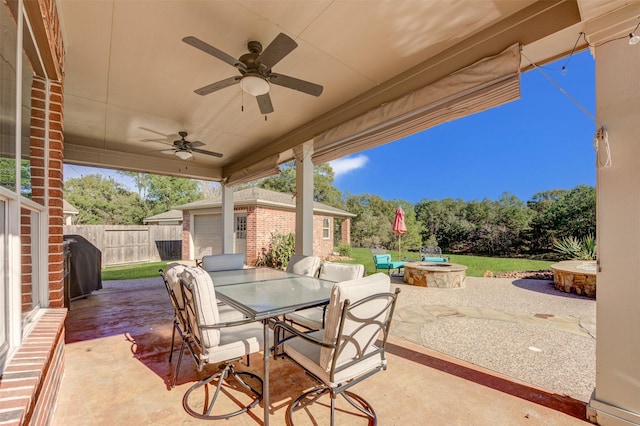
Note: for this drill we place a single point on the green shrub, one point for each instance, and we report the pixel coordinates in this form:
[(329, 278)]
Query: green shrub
[(576, 249), (431, 241), (344, 249), (279, 252)]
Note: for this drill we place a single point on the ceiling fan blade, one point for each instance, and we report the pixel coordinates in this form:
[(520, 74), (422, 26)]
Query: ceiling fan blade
[(217, 53), (193, 144), (264, 103), (296, 84), (202, 151), (280, 47), (213, 87)]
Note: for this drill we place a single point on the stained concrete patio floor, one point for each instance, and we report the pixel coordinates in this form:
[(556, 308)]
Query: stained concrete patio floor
[(119, 338)]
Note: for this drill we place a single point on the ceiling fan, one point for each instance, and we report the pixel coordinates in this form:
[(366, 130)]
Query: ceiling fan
[(255, 70), (183, 148)]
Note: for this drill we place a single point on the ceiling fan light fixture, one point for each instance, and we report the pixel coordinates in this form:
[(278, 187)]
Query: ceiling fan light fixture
[(254, 85), (167, 151), (634, 39), (184, 155)]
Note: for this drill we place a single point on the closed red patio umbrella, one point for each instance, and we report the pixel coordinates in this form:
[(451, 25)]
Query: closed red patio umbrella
[(399, 226)]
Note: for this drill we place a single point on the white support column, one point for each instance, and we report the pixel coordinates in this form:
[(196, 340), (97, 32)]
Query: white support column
[(616, 400), (304, 199), (228, 223)]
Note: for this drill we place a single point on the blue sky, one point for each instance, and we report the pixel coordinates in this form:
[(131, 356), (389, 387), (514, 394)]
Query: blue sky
[(541, 142)]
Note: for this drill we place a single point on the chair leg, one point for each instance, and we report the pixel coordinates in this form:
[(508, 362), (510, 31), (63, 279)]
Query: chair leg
[(226, 370), (175, 376), (313, 395), (173, 339)]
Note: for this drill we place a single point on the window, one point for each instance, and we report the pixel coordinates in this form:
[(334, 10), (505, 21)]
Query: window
[(326, 228), (23, 222), (241, 227)]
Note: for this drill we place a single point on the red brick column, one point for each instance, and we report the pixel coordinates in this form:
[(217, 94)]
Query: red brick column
[(186, 235), (346, 230), (54, 161)]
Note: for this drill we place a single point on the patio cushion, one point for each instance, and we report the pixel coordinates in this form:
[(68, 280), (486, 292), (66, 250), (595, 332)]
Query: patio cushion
[(206, 305), (304, 265), (173, 278), (434, 259), (223, 262), (353, 291), (341, 271)]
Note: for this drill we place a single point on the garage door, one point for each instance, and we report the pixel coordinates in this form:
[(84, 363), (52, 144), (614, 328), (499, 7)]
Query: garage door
[(207, 235)]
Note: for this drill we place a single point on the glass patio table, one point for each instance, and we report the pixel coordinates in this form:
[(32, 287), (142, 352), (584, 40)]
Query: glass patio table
[(238, 276), (268, 298)]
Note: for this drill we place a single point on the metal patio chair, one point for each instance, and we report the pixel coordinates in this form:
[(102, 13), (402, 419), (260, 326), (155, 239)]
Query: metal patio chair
[(432, 254), (346, 351), (211, 341), (313, 318)]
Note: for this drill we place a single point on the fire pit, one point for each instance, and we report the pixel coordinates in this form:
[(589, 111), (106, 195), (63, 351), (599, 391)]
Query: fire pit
[(433, 274), (575, 276)]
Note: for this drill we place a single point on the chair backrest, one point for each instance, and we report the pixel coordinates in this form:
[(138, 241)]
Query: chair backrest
[(341, 271), (430, 251), (359, 312), (223, 262), (304, 265), (171, 280), (382, 259), (201, 308)]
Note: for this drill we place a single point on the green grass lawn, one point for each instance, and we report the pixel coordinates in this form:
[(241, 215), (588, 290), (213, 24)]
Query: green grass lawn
[(476, 264), (133, 271)]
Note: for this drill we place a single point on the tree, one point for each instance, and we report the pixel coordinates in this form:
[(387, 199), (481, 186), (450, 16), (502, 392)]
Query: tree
[(165, 192), (160, 193), (572, 214), (323, 189), (103, 201)]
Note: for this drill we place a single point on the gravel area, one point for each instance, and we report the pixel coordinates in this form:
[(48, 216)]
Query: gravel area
[(525, 329)]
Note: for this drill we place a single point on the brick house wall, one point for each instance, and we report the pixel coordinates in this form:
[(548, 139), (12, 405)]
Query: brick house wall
[(30, 381)]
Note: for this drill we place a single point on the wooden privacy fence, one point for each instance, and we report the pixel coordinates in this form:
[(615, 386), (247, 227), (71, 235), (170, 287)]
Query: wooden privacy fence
[(121, 244)]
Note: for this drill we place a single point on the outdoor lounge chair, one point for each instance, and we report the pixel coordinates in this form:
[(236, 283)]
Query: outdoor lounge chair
[(384, 262), (313, 318), (304, 265), (212, 341), (345, 352), (432, 254)]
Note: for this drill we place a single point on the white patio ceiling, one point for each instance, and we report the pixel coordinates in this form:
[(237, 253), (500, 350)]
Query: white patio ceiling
[(129, 77)]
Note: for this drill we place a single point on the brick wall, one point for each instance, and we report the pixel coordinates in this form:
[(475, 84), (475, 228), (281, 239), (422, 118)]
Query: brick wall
[(262, 222), (186, 235), (26, 260), (30, 382), (39, 163), (322, 247)]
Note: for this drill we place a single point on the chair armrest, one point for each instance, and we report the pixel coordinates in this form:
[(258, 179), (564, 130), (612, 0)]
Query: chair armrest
[(226, 324), (281, 327)]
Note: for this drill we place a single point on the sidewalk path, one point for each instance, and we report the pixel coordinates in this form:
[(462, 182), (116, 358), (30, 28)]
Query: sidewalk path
[(525, 329)]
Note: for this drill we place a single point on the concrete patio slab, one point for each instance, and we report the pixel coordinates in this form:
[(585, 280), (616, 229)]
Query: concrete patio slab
[(117, 373)]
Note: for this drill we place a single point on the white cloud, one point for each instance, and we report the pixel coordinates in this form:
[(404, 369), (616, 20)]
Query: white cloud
[(343, 166)]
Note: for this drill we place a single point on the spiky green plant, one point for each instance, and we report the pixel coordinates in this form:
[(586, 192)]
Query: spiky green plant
[(575, 248)]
